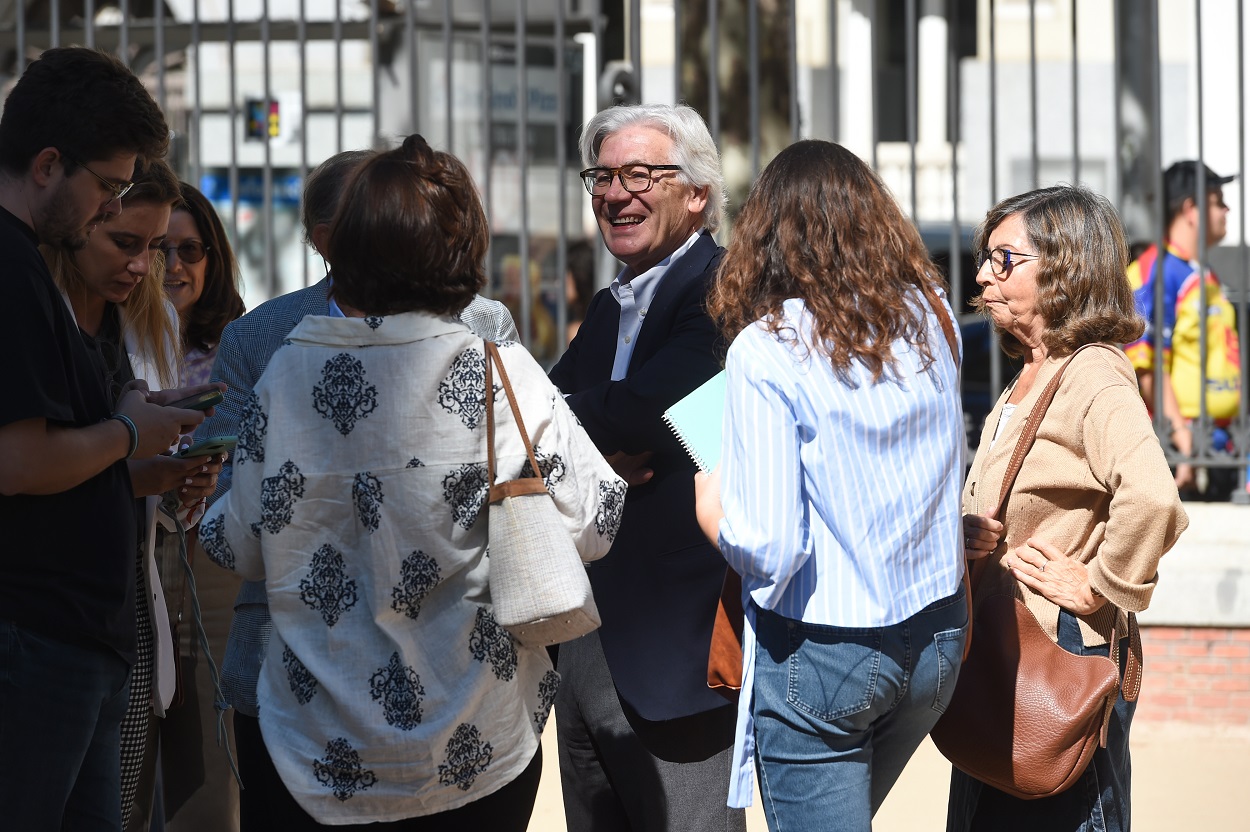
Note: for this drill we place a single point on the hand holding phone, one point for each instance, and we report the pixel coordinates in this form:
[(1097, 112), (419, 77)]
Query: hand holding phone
[(209, 447), (200, 401)]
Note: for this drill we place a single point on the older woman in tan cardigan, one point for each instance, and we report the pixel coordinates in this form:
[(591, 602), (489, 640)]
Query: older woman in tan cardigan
[(1094, 507)]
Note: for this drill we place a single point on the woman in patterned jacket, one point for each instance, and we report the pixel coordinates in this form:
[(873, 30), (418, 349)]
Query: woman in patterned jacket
[(389, 694)]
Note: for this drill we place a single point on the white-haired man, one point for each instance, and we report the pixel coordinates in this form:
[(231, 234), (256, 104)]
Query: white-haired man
[(644, 744)]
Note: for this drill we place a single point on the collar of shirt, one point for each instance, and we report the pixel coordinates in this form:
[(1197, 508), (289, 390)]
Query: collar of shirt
[(635, 296), (334, 312)]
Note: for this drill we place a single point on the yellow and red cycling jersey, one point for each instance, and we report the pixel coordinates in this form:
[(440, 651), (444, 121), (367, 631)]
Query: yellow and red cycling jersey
[(1181, 328)]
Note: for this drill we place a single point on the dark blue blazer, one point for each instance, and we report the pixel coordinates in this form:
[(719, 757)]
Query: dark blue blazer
[(658, 586)]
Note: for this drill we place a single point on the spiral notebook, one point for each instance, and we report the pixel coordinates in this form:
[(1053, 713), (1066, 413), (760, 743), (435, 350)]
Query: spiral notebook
[(696, 420)]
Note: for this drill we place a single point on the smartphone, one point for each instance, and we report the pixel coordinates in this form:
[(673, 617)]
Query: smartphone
[(209, 447), (200, 401)]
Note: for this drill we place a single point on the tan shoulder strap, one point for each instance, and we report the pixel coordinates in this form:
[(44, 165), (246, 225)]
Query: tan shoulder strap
[(527, 485)]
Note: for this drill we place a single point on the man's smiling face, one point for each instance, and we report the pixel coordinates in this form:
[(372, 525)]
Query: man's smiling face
[(641, 229)]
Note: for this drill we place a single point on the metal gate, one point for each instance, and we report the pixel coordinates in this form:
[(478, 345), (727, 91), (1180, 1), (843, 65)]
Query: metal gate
[(957, 103)]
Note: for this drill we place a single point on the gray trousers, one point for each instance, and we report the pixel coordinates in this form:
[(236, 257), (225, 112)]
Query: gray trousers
[(621, 772)]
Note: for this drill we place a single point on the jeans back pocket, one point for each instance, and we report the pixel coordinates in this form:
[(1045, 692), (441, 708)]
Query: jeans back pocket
[(832, 670)]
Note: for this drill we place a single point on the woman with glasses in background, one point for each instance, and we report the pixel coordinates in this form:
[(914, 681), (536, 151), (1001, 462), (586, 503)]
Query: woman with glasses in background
[(113, 287), (201, 280), (202, 283), (1094, 506)]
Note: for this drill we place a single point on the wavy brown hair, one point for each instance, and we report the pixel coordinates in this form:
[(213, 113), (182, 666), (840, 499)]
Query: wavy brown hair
[(1082, 293), (820, 226)]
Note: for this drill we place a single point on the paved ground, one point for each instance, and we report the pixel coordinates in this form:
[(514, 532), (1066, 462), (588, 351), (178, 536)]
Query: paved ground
[(1185, 777)]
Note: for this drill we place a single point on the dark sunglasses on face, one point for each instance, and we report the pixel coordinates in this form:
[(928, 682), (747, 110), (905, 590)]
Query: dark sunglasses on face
[(188, 251)]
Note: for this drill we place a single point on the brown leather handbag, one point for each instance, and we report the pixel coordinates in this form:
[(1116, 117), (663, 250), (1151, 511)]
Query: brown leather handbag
[(1027, 715), (724, 659)]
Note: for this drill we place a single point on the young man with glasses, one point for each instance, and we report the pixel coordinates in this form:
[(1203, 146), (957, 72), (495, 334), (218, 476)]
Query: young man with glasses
[(644, 744), (1183, 318), (67, 558)]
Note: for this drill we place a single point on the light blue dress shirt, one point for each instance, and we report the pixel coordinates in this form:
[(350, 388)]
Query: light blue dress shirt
[(841, 496), (635, 296)]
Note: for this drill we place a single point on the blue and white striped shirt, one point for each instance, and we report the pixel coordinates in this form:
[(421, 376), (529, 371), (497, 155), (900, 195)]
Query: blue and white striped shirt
[(841, 497)]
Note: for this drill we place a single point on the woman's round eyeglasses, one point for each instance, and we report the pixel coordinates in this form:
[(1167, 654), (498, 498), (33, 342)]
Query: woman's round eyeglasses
[(1002, 260)]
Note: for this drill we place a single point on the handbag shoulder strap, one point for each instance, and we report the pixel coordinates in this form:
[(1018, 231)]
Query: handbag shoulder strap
[(525, 485), (1029, 434), (948, 327)]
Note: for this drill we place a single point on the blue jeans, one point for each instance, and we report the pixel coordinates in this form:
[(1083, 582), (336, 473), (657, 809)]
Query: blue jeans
[(839, 711), (61, 708), (1098, 802)]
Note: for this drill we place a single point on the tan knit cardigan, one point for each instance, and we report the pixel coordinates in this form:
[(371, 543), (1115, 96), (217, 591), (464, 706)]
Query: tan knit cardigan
[(1095, 484)]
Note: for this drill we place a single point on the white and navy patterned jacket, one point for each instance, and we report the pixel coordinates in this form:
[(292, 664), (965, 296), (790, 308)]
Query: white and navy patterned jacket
[(388, 690), (246, 346)]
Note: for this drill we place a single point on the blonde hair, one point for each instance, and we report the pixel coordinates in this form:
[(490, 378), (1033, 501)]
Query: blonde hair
[(147, 315)]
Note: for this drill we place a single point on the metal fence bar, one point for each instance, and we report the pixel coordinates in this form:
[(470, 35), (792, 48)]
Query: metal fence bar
[(753, 83), (953, 131), (375, 58), (158, 13), (20, 26), (1117, 102), (197, 109), (1241, 445), (338, 75), (1033, 108), (835, 76), (635, 44), (486, 99), (677, 50), (55, 20), (562, 193), (266, 206), (523, 168), (1202, 436), (1162, 427), (88, 19), (993, 104), (911, 103), (1076, 110), (713, 69), (410, 46), (447, 78), (123, 34), (872, 80), (996, 352), (792, 42), (302, 37), (231, 45)]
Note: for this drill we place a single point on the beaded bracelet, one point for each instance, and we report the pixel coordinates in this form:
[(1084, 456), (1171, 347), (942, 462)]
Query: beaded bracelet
[(131, 429)]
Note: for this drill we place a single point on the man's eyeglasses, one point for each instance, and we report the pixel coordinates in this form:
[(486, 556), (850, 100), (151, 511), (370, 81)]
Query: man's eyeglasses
[(118, 189), (637, 179), (1002, 260), (188, 251)]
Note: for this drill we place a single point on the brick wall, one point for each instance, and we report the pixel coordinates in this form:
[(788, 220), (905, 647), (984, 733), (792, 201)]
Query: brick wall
[(1195, 674)]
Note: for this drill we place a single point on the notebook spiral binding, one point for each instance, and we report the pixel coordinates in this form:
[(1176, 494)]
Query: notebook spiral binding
[(686, 445)]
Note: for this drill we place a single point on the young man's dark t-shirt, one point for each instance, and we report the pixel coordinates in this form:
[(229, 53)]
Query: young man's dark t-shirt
[(67, 560)]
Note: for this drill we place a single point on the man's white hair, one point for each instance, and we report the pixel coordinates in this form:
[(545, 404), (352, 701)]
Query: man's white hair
[(693, 148)]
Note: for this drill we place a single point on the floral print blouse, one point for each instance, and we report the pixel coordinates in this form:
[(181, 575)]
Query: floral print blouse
[(360, 487)]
